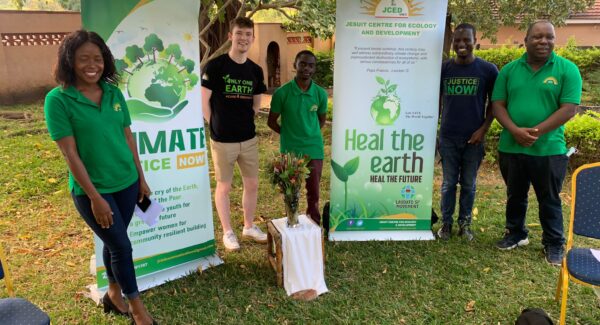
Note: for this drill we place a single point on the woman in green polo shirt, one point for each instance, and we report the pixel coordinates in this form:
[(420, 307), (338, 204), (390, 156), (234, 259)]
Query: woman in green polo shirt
[(87, 116)]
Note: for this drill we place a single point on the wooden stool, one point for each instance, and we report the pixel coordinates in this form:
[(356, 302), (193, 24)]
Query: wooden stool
[(275, 253)]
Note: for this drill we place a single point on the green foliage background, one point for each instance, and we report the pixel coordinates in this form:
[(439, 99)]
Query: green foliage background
[(586, 59), (324, 73), (581, 132), (488, 16)]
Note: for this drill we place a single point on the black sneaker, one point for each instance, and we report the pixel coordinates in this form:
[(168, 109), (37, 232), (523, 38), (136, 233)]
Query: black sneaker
[(466, 231), (509, 242), (554, 254), (445, 232)]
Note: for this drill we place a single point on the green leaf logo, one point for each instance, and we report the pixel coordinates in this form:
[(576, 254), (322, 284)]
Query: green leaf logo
[(385, 108), (343, 173), (339, 171)]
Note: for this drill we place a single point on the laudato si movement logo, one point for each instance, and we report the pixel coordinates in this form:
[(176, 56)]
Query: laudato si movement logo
[(156, 80), (385, 108), (408, 192), (392, 8)]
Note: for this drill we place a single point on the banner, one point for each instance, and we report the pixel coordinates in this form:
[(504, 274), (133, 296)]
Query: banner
[(155, 46), (388, 56)]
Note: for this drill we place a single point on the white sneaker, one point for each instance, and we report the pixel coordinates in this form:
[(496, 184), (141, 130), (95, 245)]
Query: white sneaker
[(230, 241), (255, 234)]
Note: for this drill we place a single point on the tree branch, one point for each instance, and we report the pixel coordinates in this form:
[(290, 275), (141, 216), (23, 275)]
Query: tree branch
[(245, 10), (209, 56), (286, 14), (242, 11), (285, 4), (216, 16), (276, 6)]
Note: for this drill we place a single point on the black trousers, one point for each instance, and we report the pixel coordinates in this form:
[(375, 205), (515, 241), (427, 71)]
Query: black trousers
[(546, 174)]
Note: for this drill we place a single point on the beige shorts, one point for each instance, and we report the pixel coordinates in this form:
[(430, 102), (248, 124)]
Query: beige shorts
[(225, 155)]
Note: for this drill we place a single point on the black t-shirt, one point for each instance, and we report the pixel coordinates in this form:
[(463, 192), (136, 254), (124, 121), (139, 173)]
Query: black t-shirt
[(465, 90), (233, 86)]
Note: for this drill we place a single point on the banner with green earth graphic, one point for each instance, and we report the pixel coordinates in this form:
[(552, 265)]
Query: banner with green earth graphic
[(156, 51), (388, 56)]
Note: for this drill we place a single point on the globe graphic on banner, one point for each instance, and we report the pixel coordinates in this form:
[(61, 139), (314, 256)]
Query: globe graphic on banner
[(158, 83), (156, 79), (385, 109)]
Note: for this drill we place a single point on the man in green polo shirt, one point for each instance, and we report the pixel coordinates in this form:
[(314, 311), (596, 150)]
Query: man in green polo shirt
[(533, 98), (302, 105)]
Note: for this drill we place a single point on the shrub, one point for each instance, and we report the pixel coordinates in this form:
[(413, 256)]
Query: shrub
[(330, 110), (500, 56), (586, 59), (324, 74), (491, 141), (581, 132)]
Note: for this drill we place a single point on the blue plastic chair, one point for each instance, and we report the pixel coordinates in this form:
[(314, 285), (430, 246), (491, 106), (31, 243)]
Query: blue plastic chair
[(579, 264), (17, 311)]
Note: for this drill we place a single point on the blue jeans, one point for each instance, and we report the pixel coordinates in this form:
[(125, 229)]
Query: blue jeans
[(546, 174), (117, 251), (460, 162)]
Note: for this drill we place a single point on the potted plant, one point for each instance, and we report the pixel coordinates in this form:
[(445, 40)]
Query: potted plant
[(288, 171)]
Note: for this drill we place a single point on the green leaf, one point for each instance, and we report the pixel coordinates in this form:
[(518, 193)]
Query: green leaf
[(351, 166), (339, 171), (392, 88), (380, 80)]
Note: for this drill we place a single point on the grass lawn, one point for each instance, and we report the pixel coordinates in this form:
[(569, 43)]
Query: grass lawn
[(430, 282)]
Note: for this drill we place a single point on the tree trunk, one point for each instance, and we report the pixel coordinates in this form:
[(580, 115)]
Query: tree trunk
[(217, 33), (447, 36)]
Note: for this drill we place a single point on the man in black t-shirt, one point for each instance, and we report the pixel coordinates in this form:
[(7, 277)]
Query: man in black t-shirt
[(231, 91), (466, 86)]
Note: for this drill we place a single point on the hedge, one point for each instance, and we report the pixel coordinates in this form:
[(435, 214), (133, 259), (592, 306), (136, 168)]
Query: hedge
[(586, 59), (581, 132), (324, 74)]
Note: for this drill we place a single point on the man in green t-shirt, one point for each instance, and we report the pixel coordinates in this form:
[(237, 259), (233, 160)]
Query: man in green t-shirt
[(302, 105), (533, 98)]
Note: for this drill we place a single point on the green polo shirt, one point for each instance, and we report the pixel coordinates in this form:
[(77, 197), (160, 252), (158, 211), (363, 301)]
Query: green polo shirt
[(98, 132), (531, 98), (300, 110)]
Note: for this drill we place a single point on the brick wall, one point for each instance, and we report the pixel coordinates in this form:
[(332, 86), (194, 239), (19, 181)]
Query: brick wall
[(28, 47)]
